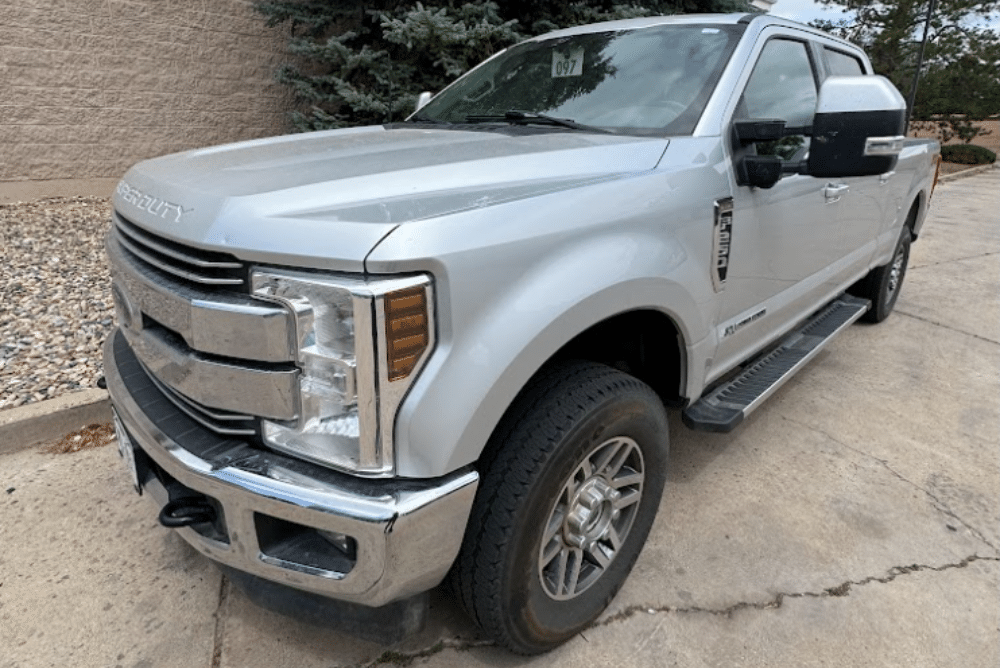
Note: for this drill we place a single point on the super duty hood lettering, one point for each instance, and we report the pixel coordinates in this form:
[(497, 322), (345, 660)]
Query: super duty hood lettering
[(159, 208)]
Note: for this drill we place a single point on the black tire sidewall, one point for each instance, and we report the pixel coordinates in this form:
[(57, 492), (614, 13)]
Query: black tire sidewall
[(885, 301), (534, 619)]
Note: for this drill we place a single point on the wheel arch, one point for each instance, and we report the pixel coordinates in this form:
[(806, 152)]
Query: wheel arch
[(617, 326), (916, 214), (645, 343), (626, 341), (918, 198)]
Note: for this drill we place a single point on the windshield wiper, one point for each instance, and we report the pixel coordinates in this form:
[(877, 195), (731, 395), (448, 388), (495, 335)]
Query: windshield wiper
[(518, 116)]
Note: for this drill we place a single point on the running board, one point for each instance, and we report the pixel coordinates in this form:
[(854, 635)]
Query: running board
[(725, 407)]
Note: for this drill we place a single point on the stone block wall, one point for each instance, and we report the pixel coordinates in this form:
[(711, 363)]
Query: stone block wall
[(89, 87)]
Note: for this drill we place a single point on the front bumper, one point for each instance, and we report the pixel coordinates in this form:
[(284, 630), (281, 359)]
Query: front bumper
[(404, 534)]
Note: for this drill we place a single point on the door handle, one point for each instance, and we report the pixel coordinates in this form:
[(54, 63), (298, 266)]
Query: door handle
[(834, 191), (884, 178)]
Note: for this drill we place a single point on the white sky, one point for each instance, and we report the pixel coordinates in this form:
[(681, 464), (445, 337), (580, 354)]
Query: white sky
[(805, 11)]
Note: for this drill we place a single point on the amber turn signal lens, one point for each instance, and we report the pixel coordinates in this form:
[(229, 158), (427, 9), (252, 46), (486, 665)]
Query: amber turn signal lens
[(406, 330)]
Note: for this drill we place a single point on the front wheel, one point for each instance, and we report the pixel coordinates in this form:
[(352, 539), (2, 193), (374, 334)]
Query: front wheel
[(882, 284), (564, 507)]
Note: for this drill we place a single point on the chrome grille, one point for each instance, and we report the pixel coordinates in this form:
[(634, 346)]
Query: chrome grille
[(206, 268), (221, 422)]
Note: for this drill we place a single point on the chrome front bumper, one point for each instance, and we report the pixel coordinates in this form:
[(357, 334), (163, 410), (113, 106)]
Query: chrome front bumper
[(406, 533)]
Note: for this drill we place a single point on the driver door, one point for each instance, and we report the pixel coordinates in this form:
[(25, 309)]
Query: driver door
[(784, 238)]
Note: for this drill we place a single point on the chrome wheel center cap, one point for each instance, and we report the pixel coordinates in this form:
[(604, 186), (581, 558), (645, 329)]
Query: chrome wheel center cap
[(591, 513)]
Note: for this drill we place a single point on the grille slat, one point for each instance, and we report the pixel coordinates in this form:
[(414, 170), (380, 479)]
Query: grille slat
[(192, 265), (147, 240), (208, 418), (170, 269)]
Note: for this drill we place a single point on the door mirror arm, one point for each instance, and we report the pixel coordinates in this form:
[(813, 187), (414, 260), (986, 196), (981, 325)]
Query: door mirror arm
[(763, 171), (767, 129), (801, 168)]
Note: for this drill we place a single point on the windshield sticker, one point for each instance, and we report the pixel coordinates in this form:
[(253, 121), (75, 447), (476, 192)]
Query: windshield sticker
[(567, 64)]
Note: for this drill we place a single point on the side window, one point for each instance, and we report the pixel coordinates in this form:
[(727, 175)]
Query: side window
[(782, 85), (841, 64)]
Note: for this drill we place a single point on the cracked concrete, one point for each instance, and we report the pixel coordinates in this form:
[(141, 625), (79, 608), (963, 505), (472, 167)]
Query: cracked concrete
[(894, 624), (945, 325), (843, 589), (937, 502), (853, 521), (221, 612)]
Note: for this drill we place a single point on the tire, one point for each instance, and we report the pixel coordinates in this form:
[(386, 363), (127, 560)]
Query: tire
[(578, 463), (882, 284)]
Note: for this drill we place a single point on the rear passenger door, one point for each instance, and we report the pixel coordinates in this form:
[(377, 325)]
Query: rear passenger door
[(868, 205)]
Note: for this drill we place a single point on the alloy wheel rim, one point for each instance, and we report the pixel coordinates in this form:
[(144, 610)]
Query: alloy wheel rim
[(591, 518), (896, 271)]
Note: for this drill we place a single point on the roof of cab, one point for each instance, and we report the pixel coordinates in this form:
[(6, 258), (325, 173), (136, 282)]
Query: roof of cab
[(759, 22), (645, 22), (674, 19)]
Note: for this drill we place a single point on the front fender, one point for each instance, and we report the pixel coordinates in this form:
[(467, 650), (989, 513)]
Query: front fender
[(515, 282), (473, 377)]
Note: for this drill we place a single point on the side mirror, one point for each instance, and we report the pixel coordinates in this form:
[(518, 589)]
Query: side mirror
[(762, 129), (759, 171), (423, 99), (858, 127)]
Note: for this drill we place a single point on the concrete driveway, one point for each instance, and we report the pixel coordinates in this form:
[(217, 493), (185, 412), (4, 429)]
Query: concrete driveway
[(852, 521)]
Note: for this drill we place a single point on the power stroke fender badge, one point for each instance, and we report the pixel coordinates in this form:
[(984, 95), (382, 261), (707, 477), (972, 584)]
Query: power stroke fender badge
[(166, 210), (722, 242)]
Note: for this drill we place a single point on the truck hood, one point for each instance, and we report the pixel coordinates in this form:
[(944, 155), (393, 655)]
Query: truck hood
[(325, 199)]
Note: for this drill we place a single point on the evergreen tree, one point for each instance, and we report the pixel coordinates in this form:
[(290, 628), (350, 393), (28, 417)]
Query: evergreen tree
[(365, 64), (960, 82)]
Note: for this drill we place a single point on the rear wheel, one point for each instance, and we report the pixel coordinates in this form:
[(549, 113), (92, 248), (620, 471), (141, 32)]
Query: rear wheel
[(882, 284), (564, 506)]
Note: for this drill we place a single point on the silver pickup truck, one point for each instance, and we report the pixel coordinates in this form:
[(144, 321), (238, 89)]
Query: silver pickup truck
[(350, 365)]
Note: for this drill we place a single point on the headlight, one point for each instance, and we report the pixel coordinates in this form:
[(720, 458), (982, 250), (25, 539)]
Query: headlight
[(360, 344)]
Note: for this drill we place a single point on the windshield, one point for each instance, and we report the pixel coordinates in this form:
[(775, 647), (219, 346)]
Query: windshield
[(653, 80)]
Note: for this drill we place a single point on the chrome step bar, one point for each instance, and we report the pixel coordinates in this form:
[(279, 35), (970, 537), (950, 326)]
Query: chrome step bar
[(726, 406)]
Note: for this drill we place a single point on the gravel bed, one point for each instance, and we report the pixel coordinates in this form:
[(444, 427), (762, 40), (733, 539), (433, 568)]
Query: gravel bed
[(55, 297)]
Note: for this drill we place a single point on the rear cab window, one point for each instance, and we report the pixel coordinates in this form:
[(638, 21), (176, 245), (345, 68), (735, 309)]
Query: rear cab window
[(840, 64)]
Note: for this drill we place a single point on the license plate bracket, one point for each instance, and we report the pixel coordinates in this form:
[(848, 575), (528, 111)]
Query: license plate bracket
[(127, 452)]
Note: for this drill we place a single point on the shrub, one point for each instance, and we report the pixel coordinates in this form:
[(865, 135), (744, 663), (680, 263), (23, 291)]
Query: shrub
[(967, 154)]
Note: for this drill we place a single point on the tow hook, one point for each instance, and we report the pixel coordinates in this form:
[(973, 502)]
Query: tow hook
[(186, 511)]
